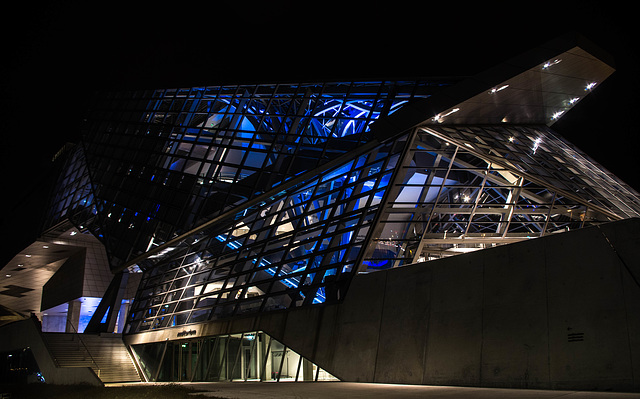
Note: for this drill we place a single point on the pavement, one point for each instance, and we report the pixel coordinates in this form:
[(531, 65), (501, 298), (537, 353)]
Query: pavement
[(355, 390)]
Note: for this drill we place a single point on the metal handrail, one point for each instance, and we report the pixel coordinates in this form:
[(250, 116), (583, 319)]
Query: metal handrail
[(85, 346)]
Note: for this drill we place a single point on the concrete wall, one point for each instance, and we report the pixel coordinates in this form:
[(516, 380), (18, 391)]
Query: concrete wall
[(25, 334), (559, 312)]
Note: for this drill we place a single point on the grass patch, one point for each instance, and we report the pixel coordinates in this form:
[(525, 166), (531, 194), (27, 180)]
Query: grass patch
[(48, 391)]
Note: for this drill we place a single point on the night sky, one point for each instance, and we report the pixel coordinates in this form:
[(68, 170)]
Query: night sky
[(55, 55)]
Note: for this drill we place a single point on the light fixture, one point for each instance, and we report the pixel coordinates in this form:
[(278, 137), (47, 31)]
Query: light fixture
[(28, 256), (551, 63), (439, 118), (590, 86), (536, 144), (45, 246), (497, 89)]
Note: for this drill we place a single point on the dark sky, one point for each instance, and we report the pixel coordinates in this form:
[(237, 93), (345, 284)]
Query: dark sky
[(55, 55)]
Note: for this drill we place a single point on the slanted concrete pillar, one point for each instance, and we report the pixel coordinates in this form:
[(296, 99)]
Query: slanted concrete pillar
[(122, 317), (73, 316)]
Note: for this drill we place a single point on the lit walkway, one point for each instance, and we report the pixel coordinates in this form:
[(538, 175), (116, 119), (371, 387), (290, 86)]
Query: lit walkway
[(352, 390)]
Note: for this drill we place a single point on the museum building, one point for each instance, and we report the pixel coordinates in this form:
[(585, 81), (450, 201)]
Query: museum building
[(420, 231)]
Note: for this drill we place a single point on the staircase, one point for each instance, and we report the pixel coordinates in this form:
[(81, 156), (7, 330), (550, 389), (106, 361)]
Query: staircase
[(106, 354)]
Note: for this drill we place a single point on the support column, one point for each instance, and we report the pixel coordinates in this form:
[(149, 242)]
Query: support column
[(307, 370), (73, 316), (122, 316)]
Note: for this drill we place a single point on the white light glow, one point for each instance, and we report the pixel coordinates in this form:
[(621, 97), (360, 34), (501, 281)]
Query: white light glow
[(590, 86), (551, 63), (495, 90), (556, 115), (536, 144), (440, 117), (574, 100)]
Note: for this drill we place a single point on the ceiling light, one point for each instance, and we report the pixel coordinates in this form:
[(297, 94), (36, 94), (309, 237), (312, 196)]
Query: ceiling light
[(551, 63), (438, 118), (495, 90), (536, 144)]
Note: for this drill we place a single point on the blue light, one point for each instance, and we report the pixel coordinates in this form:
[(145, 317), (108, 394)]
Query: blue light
[(104, 318), (337, 172), (376, 264)]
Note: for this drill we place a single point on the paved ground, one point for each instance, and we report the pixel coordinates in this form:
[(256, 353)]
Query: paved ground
[(352, 390)]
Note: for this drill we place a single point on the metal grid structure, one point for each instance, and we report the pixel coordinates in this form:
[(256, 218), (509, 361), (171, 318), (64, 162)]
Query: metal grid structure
[(157, 163), (74, 196), (242, 199), (299, 249), (463, 188), (440, 191)]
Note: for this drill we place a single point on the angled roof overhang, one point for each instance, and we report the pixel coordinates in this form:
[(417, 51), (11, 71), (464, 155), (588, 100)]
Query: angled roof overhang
[(26, 274), (537, 87)]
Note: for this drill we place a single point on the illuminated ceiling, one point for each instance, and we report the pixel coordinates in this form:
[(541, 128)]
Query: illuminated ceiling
[(25, 275)]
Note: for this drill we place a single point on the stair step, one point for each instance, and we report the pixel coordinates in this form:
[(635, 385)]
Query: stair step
[(106, 355)]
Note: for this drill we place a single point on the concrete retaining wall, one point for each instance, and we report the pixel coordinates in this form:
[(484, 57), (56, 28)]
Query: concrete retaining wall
[(560, 312)]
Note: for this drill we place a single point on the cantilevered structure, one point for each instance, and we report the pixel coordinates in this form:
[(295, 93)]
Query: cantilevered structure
[(304, 231)]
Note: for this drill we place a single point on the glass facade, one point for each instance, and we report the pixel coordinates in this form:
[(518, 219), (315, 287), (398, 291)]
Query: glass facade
[(236, 200), (154, 164), (251, 356), (436, 192), (299, 249), (463, 188)]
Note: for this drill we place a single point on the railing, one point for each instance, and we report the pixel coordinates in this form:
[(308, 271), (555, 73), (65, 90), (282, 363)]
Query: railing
[(85, 346)]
